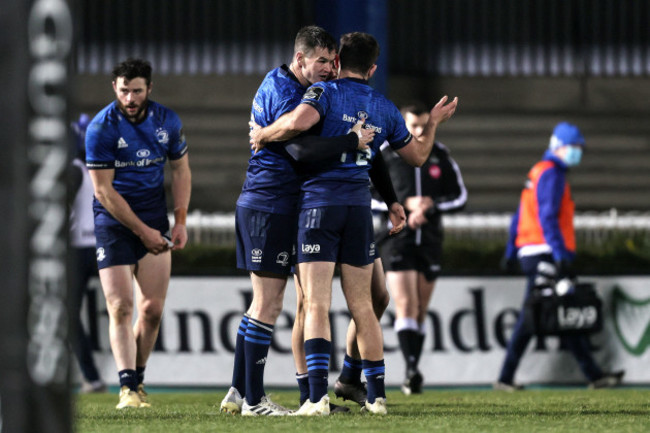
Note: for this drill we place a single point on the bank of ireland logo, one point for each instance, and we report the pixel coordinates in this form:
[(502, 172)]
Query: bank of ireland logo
[(362, 115), (282, 258), (256, 255), (101, 255), (162, 135), (631, 321), (143, 153)]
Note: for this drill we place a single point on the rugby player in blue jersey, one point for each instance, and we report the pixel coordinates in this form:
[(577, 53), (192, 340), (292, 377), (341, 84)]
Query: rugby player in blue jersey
[(335, 219), (349, 386), (127, 146), (266, 217)]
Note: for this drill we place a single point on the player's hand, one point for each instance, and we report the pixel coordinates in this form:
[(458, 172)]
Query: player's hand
[(417, 219), (418, 202), (179, 237), (509, 265), (397, 218), (365, 135), (440, 113), (565, 269), (154, 241), (255, 137)]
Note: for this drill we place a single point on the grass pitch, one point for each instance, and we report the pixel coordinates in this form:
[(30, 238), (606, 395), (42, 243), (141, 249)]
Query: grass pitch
[(467, 411)]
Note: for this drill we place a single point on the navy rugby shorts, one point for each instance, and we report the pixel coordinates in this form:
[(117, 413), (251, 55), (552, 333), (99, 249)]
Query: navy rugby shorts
[(117, 245), (340, 234), (397, 255), (265, 241)]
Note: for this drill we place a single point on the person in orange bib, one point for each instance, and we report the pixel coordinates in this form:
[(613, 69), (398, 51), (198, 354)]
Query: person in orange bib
[(542, 239)]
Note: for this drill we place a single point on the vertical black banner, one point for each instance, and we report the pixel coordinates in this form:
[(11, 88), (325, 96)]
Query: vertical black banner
[(36, 49), (13, 175), (49, 37)]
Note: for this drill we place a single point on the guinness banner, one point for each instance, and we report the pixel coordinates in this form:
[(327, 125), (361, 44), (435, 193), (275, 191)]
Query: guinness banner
[(35, 49), (469, 322)]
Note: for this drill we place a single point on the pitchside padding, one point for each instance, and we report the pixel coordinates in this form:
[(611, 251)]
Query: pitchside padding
[(468, 324)]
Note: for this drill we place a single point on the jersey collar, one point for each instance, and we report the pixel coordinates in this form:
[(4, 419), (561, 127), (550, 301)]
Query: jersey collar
[(288, 73), (356, 80)]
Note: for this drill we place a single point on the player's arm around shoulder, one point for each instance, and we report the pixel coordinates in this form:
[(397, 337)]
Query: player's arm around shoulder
[(181, 191), (287, 126)]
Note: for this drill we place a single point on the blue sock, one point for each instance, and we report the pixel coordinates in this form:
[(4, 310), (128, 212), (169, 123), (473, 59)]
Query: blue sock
[(317, 353), (374, 372), (256, 348), (303, 386), (139, 371), (351, 371), (128, 378), (239, 367)]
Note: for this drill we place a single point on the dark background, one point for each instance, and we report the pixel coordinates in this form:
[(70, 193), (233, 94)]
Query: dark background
[(518, 67)]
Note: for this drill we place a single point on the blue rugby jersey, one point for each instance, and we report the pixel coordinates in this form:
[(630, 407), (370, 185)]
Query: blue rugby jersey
[(137, 152), (341, 103), (272, 184)]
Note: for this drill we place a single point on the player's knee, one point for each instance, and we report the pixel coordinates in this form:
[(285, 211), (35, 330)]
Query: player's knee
[(120, 310), (312, 307), (151, 311), (267, 308), (360, 312)]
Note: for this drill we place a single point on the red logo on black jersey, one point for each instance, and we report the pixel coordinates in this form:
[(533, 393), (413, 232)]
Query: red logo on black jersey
[(434, 172)]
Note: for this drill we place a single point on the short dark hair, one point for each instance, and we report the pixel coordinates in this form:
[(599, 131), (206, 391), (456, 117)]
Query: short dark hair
[(415, 107), (133, 68), (358, 52), (309, 38)]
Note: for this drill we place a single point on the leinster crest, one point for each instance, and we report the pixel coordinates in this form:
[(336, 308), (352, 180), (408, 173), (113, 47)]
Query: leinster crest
[(162, 136)]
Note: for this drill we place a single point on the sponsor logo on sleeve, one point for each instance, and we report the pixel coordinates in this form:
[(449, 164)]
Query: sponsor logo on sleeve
[(257, 107), (313, 93)]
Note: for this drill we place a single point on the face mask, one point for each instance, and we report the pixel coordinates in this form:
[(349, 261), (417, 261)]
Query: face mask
[(573, 156)]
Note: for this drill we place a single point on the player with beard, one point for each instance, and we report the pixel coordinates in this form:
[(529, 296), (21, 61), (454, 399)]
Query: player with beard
[(127, 146)]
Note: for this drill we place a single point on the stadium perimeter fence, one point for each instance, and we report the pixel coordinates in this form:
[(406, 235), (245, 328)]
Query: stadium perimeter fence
[(593, 229)]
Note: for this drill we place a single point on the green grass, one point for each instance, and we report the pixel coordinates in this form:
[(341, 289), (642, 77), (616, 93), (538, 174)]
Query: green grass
[(467, 411)]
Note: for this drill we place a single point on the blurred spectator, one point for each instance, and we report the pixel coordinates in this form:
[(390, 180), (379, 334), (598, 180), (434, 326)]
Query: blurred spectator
[(82, 241)]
